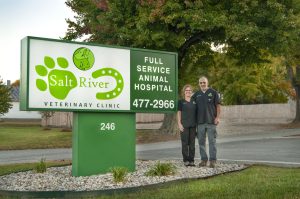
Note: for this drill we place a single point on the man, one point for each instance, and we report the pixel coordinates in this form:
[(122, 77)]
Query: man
[(208, 114)]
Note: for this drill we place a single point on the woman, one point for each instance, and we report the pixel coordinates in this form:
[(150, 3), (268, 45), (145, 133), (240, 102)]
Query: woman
[(186, 118)]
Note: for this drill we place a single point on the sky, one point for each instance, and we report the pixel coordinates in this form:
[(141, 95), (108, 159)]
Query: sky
[(21, 18)]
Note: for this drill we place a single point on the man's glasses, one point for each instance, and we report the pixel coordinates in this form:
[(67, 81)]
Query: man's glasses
[(202, 82)]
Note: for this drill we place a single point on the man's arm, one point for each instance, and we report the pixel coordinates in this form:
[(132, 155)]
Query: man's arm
[(217, 119)]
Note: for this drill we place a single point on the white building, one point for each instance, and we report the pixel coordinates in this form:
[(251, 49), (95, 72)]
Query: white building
[(14, 112)]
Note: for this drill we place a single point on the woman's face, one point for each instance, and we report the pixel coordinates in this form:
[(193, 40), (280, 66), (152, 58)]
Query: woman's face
[(188, 92)]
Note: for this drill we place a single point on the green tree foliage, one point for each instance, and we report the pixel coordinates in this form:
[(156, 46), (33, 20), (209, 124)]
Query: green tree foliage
[(5, 98), (247, 29), (245, 26), (251, 84)]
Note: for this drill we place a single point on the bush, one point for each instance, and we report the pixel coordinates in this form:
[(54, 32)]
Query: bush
[(41, 167), (119, 173), (161, 169), (5, 98)]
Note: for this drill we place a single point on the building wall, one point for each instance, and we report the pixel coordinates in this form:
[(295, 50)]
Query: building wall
[(260, 113)]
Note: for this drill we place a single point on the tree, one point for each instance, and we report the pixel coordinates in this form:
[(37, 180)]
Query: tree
[(5, 98), (292, 64), (261, 83), (68, 125), (46, 115), (16, 83), (295, 79), (246, 29)]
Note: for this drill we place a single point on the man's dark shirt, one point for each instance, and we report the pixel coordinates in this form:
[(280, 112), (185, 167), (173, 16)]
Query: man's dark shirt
[(206, 105), (188, 113)]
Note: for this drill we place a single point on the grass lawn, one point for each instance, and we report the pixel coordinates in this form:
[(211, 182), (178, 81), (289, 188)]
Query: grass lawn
[(257, 182), (15, 137), (32, 137), (253, 183)]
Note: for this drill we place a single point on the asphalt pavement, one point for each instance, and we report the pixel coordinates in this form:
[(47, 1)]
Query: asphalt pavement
[(276, 147)]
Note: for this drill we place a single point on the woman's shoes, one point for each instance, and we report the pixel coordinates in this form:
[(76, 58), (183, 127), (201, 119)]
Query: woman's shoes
[(189, 164)]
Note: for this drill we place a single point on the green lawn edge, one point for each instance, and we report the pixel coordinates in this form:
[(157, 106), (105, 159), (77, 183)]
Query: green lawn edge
[(257, 181)]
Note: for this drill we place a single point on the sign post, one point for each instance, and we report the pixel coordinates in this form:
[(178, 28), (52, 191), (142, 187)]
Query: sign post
[(101, 141), (104, 86)]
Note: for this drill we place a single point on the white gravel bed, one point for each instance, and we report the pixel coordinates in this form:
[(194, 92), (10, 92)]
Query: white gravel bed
[(61, 179)]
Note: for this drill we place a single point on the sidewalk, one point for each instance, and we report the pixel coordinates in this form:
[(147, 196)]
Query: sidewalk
[(35, 155)]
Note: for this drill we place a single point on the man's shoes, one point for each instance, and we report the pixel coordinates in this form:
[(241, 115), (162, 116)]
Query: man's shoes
[(212, 164), (203, 163), (192, 164), (186, 164)]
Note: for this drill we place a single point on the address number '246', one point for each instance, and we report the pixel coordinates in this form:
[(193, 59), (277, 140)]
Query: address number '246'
[(109, 126)]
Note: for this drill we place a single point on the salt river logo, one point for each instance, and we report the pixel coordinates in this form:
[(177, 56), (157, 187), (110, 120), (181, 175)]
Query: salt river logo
[(83, 58), (60, 81)]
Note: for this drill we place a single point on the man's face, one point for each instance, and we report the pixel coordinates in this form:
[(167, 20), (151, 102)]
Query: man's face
[(203, 83)]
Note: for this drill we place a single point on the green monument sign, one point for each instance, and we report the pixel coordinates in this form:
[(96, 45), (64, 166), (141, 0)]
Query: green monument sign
[(104, 86)]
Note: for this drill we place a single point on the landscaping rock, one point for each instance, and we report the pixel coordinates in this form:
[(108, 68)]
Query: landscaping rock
[(61, 179)]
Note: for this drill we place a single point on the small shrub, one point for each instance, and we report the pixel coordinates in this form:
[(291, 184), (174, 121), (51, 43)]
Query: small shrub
[(119, 173), (161, 169), (41, 167)]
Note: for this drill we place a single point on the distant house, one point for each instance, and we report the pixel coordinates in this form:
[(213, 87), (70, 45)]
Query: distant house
[(14, 112)]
